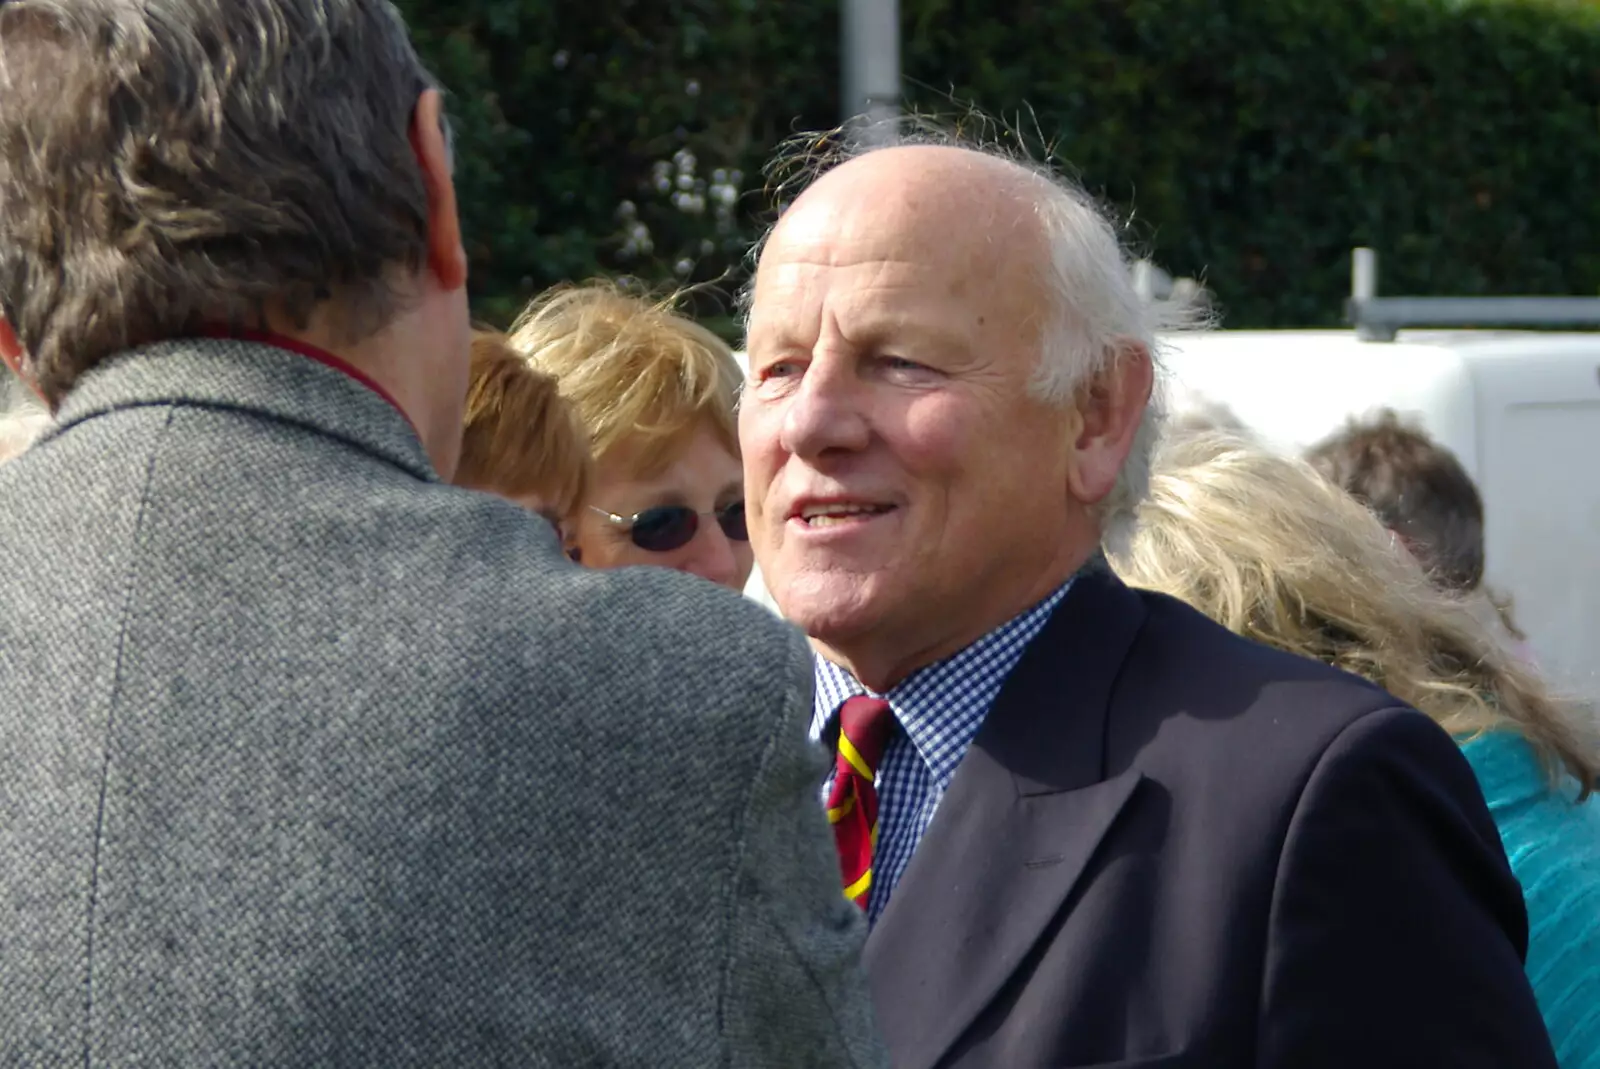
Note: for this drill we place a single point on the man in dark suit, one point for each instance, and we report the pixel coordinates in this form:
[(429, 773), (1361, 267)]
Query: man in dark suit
[(308, 758), (1088, 826)]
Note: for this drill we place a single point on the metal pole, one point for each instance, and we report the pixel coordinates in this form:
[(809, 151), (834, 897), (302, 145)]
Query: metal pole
[(870, 36), (1363, 274), (1363, 291)]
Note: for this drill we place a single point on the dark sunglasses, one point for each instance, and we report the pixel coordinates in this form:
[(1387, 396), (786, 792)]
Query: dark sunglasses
[(668, 527)]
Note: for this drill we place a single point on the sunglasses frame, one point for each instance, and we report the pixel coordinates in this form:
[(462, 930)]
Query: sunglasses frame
[(631, 523)]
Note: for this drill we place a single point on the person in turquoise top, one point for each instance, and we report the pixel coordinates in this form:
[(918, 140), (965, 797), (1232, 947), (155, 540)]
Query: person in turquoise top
[(1266, 546), (1553, 843)]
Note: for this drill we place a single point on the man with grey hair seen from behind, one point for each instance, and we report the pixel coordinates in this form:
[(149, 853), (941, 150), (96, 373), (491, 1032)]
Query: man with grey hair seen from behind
[(310, 758), (1087, 825)]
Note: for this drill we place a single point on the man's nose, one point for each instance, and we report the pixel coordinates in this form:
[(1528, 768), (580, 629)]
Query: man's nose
[(827, 412)]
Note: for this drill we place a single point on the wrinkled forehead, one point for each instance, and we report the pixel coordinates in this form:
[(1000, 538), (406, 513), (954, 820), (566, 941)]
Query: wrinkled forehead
[(942, 255)]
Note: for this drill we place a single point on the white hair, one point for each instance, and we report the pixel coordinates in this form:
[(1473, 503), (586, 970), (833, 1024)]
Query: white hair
[(1099, 316)]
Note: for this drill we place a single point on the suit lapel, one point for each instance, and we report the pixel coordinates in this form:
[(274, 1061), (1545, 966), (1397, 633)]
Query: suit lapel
[(1022, 818)]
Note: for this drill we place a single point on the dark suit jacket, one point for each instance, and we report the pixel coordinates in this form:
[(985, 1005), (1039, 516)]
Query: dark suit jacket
[(1169, 846), (307, 759)]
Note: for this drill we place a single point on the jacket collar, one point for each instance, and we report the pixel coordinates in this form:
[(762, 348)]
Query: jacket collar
[(249, 376)]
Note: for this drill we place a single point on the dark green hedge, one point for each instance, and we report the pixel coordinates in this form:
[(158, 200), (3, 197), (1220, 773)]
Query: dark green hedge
[(580, 121), (1252, 142)]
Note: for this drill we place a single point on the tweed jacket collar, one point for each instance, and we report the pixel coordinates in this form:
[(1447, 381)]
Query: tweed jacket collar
[(248, 376)]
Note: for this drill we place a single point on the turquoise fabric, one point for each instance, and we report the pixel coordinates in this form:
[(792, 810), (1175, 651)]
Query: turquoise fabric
[(1554, 849)]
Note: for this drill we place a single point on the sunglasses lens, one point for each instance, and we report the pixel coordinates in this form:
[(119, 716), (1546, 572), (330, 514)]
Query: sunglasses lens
[(660, 530), (732, 522)]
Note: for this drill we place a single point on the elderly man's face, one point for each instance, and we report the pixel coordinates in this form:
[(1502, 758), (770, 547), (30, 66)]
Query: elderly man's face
[(905, 491)]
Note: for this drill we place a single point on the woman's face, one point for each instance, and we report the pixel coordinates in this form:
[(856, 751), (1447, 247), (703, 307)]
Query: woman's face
[(704, 478)]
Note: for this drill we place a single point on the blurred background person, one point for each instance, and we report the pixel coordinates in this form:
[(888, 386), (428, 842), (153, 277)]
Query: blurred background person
[(656, 393), (1422, 493), (522, 440), (1266, 546)]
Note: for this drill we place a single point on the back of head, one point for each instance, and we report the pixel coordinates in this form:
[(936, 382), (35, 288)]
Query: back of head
[(642, 378), (1264, 545), (522, 439), (171, 163), (1416, 487)]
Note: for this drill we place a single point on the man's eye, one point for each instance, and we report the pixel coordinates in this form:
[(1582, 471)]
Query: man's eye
[(781, 369), (900, 365)]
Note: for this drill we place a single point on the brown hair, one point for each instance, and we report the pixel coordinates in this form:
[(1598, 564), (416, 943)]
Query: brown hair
[(1269, 549), (522, 437), (164, 165), (1417, 488), (642, 377)]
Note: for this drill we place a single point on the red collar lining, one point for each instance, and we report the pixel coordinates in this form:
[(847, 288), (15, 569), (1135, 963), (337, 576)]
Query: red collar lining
[(312, 352)]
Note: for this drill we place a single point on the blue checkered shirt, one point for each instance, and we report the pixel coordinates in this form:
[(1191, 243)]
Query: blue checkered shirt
[(939, 710)]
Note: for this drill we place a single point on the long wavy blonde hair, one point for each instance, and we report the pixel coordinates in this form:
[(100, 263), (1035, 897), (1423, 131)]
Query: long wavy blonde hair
[(1265, 546)]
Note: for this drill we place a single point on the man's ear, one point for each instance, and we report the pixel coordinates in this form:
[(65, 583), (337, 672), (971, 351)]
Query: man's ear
[(447, 256), (1109, 409)]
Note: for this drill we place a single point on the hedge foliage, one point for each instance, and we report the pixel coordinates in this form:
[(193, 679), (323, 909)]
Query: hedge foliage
[(1249, 142)]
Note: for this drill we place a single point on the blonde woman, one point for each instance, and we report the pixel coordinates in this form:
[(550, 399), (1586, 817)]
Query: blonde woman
[(521, 439), (656, 393), (1264, 545)]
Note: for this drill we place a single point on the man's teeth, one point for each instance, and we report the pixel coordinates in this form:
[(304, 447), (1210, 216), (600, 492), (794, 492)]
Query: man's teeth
[(827, 515)]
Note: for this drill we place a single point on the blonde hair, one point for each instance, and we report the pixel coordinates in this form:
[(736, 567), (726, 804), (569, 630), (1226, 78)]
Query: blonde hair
[(521, 436), (1265, 546), (642, 378)]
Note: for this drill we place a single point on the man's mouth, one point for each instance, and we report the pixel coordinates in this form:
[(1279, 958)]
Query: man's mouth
[(839, 513)]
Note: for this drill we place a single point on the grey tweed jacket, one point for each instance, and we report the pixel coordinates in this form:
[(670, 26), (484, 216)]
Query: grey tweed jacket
[(307, 759)]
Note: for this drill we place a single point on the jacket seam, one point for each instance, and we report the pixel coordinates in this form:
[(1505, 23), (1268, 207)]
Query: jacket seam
[(105, 763), (731, 890)]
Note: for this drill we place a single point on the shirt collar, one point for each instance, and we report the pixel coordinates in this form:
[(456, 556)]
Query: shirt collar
[(940, 707)]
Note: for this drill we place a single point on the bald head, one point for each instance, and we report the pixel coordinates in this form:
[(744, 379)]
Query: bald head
[(1041, 237), (951, 199), (976, 221)]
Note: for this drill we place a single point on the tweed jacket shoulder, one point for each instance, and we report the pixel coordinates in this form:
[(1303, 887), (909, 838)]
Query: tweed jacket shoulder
[(307, 758)]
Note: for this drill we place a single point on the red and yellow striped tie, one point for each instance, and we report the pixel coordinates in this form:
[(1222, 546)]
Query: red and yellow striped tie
[(864, 727)]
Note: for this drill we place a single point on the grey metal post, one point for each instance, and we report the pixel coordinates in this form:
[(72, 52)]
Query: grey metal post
[(1363, 274), (1363, 291), (870, 36)]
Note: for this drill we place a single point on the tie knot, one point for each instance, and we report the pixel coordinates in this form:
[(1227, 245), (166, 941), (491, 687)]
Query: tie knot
[(867, 722)]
